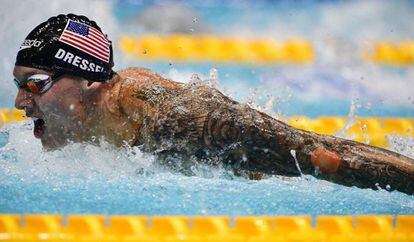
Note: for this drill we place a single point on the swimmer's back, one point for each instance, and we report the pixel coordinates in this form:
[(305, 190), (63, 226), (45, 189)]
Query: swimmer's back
[(140, 77), (164, 109)]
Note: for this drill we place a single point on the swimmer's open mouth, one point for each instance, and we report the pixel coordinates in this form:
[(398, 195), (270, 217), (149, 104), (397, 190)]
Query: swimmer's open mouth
[(39, 127)]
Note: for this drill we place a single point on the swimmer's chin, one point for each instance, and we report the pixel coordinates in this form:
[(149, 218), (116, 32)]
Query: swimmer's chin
[(53, 142), (54, 139), (51, 145)]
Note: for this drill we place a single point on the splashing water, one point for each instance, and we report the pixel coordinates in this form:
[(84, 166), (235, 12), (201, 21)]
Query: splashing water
[(82, 178), (293, 154), (350, 121), (402, 145)]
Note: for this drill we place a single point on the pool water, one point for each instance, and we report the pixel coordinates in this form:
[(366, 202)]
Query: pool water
[(88, 179)]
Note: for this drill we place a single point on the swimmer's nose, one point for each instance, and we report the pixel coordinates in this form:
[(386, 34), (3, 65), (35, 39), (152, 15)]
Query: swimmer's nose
[(24, 100)]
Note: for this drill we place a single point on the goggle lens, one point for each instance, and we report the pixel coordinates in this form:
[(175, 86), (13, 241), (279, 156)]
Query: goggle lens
[(38, 83)]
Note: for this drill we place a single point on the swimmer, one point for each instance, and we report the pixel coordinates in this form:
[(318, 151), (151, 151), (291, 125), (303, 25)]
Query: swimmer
[(66, 84)]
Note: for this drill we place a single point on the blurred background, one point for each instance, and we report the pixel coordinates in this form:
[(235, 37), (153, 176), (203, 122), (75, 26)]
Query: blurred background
[(311, 58)]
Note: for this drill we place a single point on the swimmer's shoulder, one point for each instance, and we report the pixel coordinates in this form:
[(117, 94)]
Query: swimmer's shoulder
[(135, 87), (139, 77)]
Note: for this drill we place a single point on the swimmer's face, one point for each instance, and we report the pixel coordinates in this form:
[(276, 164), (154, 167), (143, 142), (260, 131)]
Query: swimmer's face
[(58, 114)]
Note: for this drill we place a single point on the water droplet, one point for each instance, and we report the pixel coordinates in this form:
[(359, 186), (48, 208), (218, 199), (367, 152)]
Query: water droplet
[(144, 52), (364, 126), (195, 20), (214, 77), (195, 79), (293, 154)]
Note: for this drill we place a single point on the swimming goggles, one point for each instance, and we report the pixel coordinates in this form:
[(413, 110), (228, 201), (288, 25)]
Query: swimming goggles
[(38, 83)]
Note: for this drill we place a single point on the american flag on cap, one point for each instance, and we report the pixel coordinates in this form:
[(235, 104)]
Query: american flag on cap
[(87, 39)]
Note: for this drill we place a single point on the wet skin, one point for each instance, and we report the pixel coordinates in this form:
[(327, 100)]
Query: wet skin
[(73, 110), (196, 122)]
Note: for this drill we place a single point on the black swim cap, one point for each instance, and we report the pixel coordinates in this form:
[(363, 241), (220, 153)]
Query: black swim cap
[(68, 44)]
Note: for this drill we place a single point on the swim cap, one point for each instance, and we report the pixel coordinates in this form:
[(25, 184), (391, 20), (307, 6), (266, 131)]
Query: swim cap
[(69, 44)]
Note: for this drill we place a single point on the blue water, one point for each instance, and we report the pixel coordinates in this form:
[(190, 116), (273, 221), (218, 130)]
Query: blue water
[(89, 179)]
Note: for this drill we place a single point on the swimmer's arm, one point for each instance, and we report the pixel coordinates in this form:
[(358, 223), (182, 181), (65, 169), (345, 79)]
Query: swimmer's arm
[(261, 143), (356, 164)]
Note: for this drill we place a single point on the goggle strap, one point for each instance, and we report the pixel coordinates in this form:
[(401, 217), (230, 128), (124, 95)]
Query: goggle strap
[(18, 84), (57, 75)]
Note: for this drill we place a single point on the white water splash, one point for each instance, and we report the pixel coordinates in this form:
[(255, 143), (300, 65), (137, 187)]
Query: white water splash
[(74, 160), (350, 121), (293, 154), (214, 78), (402, 145)]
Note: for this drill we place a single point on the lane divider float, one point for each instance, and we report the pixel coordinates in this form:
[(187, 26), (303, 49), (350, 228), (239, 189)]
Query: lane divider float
[(392, 53), (181, 47), (370, 130), (205, 228), (178, 47), (11, 115)]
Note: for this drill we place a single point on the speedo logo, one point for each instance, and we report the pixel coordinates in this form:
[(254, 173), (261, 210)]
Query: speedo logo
[(28, 43), (78, 61)]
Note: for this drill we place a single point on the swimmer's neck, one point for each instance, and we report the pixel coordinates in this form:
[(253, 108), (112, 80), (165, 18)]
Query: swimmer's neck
[(105, 119)]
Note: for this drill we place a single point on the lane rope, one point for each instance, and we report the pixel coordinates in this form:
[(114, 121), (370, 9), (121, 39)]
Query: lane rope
[(205, 228)]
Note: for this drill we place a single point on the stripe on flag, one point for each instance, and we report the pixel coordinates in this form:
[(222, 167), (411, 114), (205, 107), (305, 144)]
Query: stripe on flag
[(87, 39)]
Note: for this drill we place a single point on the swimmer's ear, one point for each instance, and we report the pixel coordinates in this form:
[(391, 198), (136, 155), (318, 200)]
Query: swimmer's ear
[(89, 85)]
